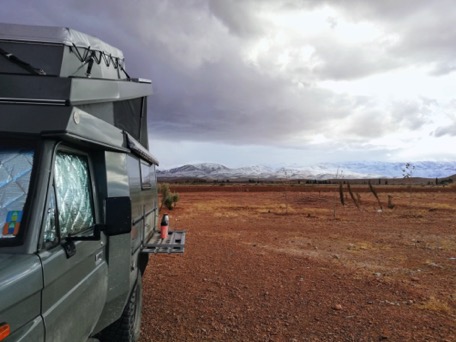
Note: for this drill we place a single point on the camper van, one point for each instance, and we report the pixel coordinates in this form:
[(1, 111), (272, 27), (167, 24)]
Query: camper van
[(78, 190)]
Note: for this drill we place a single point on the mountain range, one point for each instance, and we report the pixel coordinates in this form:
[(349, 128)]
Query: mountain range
[(322, 171)]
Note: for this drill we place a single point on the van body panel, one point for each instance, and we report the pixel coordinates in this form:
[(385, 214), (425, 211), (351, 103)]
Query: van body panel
[(21, 283), (74, 290), (118, 256)]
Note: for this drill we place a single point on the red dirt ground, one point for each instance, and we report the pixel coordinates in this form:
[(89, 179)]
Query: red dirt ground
[(293, 264)]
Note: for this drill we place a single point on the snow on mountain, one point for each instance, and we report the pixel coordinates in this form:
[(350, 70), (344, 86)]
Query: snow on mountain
[(425, 169), (348, 170), (204, 168), (255, 170), (195, 171)]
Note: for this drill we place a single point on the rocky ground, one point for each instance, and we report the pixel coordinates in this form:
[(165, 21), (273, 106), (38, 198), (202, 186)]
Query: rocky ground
[(282, 264)]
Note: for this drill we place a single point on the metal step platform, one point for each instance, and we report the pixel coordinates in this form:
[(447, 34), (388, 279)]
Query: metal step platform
[(174, 243)]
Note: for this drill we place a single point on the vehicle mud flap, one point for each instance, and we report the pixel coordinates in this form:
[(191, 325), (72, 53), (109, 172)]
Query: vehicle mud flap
[(174, 242)]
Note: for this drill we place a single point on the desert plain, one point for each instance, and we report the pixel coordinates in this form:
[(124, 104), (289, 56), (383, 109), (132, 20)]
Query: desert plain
[(291, 263)]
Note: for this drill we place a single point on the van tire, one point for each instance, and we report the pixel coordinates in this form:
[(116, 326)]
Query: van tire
[(128, 327)]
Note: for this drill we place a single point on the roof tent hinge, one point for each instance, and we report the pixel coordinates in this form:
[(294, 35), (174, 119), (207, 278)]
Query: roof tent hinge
[(90, 65), (124, 71)]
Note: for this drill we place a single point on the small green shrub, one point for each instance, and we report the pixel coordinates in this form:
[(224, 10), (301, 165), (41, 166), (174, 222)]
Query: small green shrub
[(168, 199)]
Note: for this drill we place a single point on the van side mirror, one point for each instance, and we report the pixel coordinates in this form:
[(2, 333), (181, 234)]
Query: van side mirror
[(118, 215)]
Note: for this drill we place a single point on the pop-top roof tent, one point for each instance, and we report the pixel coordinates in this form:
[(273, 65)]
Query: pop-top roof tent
[(49, 75), (50, 57)]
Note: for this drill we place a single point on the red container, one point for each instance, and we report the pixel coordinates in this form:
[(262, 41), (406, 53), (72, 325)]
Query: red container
[(164, 232), (164, 226)]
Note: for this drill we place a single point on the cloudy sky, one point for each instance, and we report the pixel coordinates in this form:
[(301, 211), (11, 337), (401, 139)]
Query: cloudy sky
[(273, 82)]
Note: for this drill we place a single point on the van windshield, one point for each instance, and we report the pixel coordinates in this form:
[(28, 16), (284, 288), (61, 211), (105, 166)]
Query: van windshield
[(15, 170)]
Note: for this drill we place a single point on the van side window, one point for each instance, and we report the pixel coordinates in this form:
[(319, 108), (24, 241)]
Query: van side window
[(153, 179), (145, 176), (153, 174), (70, 207)]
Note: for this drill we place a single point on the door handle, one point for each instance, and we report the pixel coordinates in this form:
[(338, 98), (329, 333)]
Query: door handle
[(98, 257)]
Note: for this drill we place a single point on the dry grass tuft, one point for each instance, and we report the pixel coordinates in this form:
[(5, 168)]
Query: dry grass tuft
[(433, 304), (360, 246)]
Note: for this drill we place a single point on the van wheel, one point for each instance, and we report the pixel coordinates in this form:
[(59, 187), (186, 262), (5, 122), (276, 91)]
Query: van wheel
[(128, 327)]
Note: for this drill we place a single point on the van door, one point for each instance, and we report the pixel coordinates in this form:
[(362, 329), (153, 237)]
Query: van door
[(75, 272)]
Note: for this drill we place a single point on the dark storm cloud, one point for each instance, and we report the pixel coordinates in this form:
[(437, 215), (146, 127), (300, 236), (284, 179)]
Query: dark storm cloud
[(425, 30), (424, 34), (205, 90), (230, 102), (448, 130), (411, 114), (342, 62), (237, 16)]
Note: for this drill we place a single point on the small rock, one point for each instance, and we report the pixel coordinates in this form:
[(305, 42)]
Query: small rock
[(337, 307), (414, 279)]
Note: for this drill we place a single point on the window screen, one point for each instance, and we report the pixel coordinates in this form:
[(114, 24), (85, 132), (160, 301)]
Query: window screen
[(70, 207), (15, 170)]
